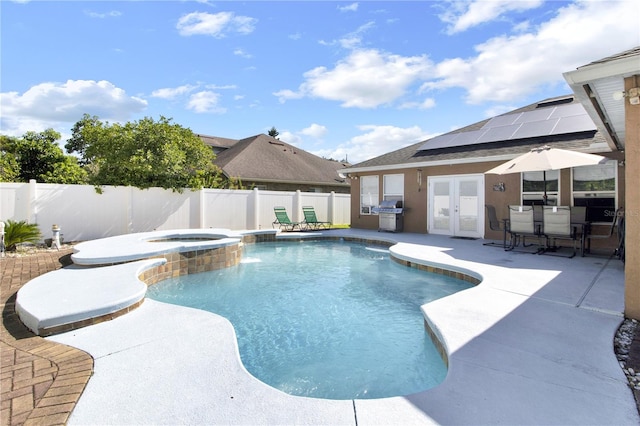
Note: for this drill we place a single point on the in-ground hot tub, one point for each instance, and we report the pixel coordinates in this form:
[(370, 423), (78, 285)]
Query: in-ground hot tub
[(110, 276)]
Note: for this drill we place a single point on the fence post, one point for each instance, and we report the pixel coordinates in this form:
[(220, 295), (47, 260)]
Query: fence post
[(130, 211), (332, 207), (201, 208), (253, 218), (32, 202), (297, 206)]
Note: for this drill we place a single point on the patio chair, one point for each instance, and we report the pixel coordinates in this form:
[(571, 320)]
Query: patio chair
[(283, 221), (586, 248), (495, 225), (521, 226), (620, 250), (557, 226), (311, 220)]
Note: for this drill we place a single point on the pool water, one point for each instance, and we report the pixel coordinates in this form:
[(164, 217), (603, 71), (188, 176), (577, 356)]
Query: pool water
[(335, 320)]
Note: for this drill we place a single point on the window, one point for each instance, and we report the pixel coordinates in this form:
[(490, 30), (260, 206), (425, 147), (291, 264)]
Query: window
[(533, 187), (595, 188), (393, 188), (369, 189)]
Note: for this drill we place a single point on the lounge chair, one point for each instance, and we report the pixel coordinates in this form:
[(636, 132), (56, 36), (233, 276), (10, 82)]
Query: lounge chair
[(311, 221), (283, 221)]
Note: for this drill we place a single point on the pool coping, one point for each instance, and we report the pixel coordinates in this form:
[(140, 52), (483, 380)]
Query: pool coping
[(478, 312), (109, 277), (100, 288)]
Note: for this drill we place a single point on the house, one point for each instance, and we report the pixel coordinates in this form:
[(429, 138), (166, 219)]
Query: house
[(609, 90), (444, 189), (267, 163), (217, 144)]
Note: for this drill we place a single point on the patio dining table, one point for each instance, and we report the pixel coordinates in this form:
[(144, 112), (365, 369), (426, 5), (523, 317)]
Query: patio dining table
[(579, 224)]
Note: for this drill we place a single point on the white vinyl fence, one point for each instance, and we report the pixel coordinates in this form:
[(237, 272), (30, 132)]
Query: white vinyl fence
[(82, 214)]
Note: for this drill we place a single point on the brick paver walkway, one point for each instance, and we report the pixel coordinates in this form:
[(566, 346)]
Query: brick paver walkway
[(41, 380)]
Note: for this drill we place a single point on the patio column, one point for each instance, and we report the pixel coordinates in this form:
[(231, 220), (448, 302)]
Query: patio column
[(632, 201)]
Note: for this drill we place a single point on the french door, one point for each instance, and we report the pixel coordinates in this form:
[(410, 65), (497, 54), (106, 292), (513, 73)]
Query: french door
[(456, 205)]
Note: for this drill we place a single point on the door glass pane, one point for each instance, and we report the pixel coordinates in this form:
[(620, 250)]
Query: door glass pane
[(468, 207), (441, 199)]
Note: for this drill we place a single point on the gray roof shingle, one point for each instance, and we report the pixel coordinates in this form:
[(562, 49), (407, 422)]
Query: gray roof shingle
[(263, 158)]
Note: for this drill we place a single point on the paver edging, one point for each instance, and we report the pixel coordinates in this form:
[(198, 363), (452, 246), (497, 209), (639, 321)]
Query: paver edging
[(70, 367)]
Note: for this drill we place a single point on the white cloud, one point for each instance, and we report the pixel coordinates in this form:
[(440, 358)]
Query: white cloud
[(111, 14), (290, 138), (222, 87), (55, 104), (286, 94), (242, 53), (463, 14), (364, 79), (205, 102), (513, 67), (353, 7), (172, 92), (353, 39), (374, 141), (426, 104), (314, 130), (217, 25)]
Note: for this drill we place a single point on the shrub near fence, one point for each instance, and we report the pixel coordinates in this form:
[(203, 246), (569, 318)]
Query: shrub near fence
[(82, 214)]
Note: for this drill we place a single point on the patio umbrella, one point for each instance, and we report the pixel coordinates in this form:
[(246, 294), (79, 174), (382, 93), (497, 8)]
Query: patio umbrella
[(546, 158)]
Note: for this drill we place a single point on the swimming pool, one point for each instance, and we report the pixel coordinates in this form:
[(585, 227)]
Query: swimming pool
[(335, 320)]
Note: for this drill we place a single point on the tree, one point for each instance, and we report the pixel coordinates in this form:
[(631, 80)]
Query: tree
[(38, 156), (77, 143), (9, 168), (143, 154), (273, 133)]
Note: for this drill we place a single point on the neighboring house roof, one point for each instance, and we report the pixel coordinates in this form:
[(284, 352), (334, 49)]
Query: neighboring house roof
[(218, 144), (261, 158), (481, 143)]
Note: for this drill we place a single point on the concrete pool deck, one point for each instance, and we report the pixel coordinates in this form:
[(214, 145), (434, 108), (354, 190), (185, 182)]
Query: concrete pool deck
[(532, 344)]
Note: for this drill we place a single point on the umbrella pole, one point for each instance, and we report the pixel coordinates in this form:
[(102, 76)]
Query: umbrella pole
[(544, 182)]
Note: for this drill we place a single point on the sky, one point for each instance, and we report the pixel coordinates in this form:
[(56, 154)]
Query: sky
[(342, 80)]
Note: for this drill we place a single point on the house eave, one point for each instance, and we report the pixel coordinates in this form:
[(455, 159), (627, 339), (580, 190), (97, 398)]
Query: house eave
[(585, 81), (624, 67), (295, 182), (592, 149)]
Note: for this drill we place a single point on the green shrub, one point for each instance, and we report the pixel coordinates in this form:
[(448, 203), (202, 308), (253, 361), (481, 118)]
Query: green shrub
[(20, 232)]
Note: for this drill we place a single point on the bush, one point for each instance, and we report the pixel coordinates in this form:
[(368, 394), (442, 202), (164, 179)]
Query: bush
[(20, 232)]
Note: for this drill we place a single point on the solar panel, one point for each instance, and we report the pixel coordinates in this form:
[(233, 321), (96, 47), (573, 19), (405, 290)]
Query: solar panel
[(574, 123), (502, 120), (442, 141), (535, 115), (557, 120), (534, 129), (499, 133), (469, 138), (568, 110)]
